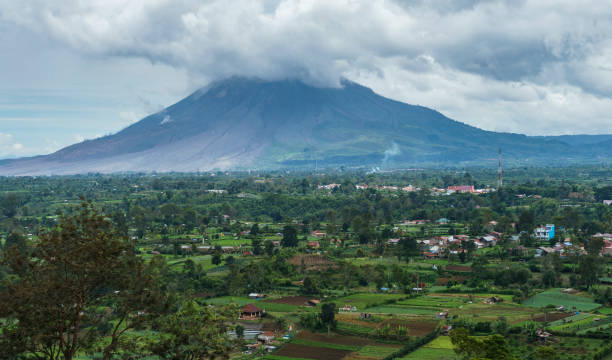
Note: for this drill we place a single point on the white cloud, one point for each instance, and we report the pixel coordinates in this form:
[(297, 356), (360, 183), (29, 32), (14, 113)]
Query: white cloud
[(530, 66), (9, 147)]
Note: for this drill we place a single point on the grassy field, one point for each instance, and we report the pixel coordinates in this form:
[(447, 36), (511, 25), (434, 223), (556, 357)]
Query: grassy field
[(440, 348), (396, 309), (232, 299), (557, 298), (361, 301)]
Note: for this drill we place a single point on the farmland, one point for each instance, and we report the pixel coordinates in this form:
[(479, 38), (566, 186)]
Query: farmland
[(287, 270), (557, 298)]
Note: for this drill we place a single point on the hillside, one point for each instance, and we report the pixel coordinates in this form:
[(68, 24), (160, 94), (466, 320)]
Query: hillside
[(242, 123)]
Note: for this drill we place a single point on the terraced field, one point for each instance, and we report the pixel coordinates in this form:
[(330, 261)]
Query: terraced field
[(309, 345)]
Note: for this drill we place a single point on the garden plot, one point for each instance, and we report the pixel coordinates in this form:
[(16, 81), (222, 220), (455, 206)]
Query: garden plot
[(307, 345), (440, 348), (362, 301), (557, 298)]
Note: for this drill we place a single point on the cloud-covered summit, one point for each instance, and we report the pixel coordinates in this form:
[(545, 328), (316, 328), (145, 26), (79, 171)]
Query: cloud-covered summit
[(534, 66), (540, 41)]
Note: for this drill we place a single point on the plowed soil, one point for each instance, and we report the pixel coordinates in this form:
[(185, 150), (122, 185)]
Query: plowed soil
[(310, 352)]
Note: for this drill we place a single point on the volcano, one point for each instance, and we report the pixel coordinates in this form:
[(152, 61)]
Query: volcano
[(244, 123)]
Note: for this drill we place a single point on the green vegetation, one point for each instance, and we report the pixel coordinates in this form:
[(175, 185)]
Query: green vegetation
[(557, 298), (330, 272)]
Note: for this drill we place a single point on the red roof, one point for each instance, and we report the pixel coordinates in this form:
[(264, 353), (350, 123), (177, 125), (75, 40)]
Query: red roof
[(250, 308)]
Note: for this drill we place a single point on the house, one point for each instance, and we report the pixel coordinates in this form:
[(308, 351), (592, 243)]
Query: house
[(250, 312), (462, 189), (313, 244), (442, 221), (328, 186), (429, 255), (319, 234), (313, 302), (607, 202), (442, 315), (256, 296), (393, 241), (542, 335), (545, 233), (489, 240), (266, 337), (493, 300), (446, 329)]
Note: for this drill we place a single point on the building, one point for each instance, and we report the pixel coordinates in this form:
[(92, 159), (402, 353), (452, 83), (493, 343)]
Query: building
[(250, 312), (393, 241), (319, 234), (313, 244), (462, 189), (256, 296), (545, 233)]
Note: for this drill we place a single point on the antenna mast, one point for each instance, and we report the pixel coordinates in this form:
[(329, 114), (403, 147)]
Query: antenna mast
[(499, 169)]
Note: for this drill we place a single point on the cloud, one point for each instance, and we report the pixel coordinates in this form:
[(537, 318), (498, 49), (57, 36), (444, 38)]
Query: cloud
[(531, 66), (9, 146)]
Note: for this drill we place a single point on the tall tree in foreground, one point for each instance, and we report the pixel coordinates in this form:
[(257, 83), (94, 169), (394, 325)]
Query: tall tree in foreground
[(80, 275), (196, 332)]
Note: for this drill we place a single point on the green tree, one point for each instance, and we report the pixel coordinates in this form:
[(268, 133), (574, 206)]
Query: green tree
[(269, 247), (328, 315), (526, 221), (545, 353), (256, 244), (9, 205), (310, 286), (289, 236), (589, 269), (255, 229), (195, 332), (15, 239), (53, 307), (216, 258)]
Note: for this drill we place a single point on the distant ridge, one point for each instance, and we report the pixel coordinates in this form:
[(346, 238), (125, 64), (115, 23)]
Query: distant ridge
[(246, 123)]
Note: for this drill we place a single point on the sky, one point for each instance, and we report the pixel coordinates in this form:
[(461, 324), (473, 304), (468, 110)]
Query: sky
[(78, 69)]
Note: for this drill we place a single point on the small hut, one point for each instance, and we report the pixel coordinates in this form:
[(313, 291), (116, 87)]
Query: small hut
[(250, 312)]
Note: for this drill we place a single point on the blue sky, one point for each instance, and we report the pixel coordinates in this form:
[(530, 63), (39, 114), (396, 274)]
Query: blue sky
[(72, 70)]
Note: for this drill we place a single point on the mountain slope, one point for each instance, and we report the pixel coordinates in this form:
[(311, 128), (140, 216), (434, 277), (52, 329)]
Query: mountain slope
[(242, 123)]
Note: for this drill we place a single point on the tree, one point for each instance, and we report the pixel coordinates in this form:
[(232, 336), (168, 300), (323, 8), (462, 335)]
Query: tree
[(216, 258), (256, 244), (328, 315), (463, 344), (408, 247), (545, 353), (195, 332), (589, 269), (289, 236), (55, 304), (9, 205), (493, 347), (526, 221), (269, 247), (16, 240), (255, 229), (594, 246), (310, 287)]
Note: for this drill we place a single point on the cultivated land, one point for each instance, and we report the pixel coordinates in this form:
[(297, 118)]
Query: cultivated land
[(351, 265)]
